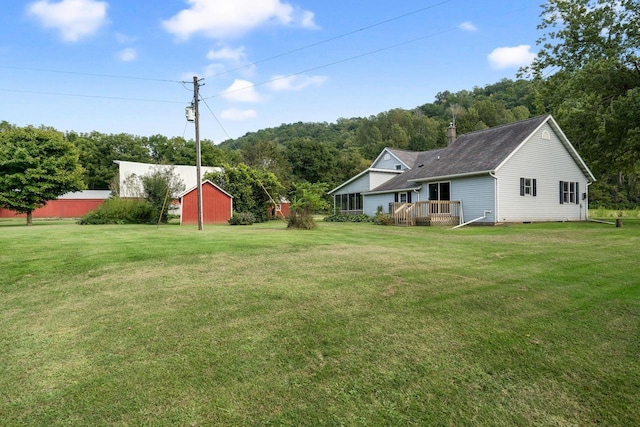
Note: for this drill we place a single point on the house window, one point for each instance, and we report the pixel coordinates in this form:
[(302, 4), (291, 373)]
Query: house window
[(439, 191), (398, 167), (404, 197), (348, 203), (569, 192), (528, 187)]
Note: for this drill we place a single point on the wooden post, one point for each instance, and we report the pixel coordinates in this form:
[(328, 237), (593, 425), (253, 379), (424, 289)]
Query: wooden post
[(618, 222)]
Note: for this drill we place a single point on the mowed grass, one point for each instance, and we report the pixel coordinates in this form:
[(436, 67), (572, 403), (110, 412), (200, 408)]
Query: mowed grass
[(348, 324)]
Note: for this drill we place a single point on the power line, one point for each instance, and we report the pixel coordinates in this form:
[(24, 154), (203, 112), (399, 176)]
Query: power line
[(280, 55), (340, 61), (349, 33), (79, 73), (216, 118), (76, 95)]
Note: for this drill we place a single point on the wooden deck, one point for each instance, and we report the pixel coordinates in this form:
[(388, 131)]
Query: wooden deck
[(427, 213)]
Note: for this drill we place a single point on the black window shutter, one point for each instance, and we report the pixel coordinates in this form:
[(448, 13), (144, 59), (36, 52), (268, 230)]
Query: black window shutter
[(535, 189), (561, 195), (577, 195), (395, 197), (409, 197), (522, 186)]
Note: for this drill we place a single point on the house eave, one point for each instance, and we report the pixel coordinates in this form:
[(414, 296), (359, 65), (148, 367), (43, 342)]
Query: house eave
[(457, 175), (396, 190), (361, 174), (185, 192)]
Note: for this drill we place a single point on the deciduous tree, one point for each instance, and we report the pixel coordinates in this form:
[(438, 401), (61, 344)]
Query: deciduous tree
[(36, 165)]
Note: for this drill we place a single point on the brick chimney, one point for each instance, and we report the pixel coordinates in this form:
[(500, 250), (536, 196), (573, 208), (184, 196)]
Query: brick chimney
[(451, 133)]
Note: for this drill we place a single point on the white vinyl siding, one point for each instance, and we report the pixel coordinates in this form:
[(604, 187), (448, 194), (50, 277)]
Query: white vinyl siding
[(549, 162)]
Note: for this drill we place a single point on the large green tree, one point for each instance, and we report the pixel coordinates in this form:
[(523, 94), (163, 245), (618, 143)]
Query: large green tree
[(252, 189), (36, 165), (587, 73)]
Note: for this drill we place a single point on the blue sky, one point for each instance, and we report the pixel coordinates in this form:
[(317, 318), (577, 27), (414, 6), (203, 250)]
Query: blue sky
[(118, 66)]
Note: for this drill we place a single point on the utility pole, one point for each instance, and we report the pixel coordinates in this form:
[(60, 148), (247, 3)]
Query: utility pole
[(196, 99)]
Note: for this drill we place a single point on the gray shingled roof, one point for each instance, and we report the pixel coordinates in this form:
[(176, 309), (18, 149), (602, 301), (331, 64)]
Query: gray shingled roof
[(406, 157), (401, 182), (478, 151)]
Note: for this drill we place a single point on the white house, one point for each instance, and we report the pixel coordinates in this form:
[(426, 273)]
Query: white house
[(520, 172)]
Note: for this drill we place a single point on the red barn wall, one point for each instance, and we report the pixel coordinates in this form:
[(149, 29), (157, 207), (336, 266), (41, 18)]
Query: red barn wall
[(216, 206), (60, 208)]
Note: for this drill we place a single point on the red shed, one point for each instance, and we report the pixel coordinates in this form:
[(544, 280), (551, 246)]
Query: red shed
[(70, 205), (280, 210), (217, 204)]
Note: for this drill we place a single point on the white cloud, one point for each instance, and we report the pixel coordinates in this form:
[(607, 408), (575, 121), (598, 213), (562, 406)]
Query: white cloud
[(468, 26), (295, 83), (241, 91), (127, 55), (224, 18), (74, 19), (508, 57), (238, 115), (226, 53)]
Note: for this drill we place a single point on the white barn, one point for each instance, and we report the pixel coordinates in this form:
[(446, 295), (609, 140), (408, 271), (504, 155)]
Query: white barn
[(186, 173)]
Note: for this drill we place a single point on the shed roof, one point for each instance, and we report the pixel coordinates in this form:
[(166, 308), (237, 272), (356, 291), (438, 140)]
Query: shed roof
[(184, 193)]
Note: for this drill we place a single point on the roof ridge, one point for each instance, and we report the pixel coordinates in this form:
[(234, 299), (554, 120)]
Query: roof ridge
[(518, 122)]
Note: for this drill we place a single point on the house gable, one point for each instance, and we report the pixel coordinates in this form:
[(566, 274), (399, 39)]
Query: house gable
[(394, 159), (544, 159), (365, 181)]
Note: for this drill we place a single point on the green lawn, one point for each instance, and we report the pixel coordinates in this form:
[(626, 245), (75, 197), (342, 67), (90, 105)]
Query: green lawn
[(348, 324)]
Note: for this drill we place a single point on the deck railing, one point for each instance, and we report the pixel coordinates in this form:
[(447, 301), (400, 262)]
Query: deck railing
[(431, 212)]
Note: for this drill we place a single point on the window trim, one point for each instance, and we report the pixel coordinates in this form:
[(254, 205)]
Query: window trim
[(348, 202), (439, 191), (569, 192), (529, 188)]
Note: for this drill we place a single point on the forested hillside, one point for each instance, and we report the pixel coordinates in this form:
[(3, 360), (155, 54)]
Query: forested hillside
[(333, 152)]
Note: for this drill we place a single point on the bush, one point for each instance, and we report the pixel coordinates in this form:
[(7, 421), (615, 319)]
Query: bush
[(120, 211), (242, 218), (308, 199), (340, 217), (301, 220), (382, 218)]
